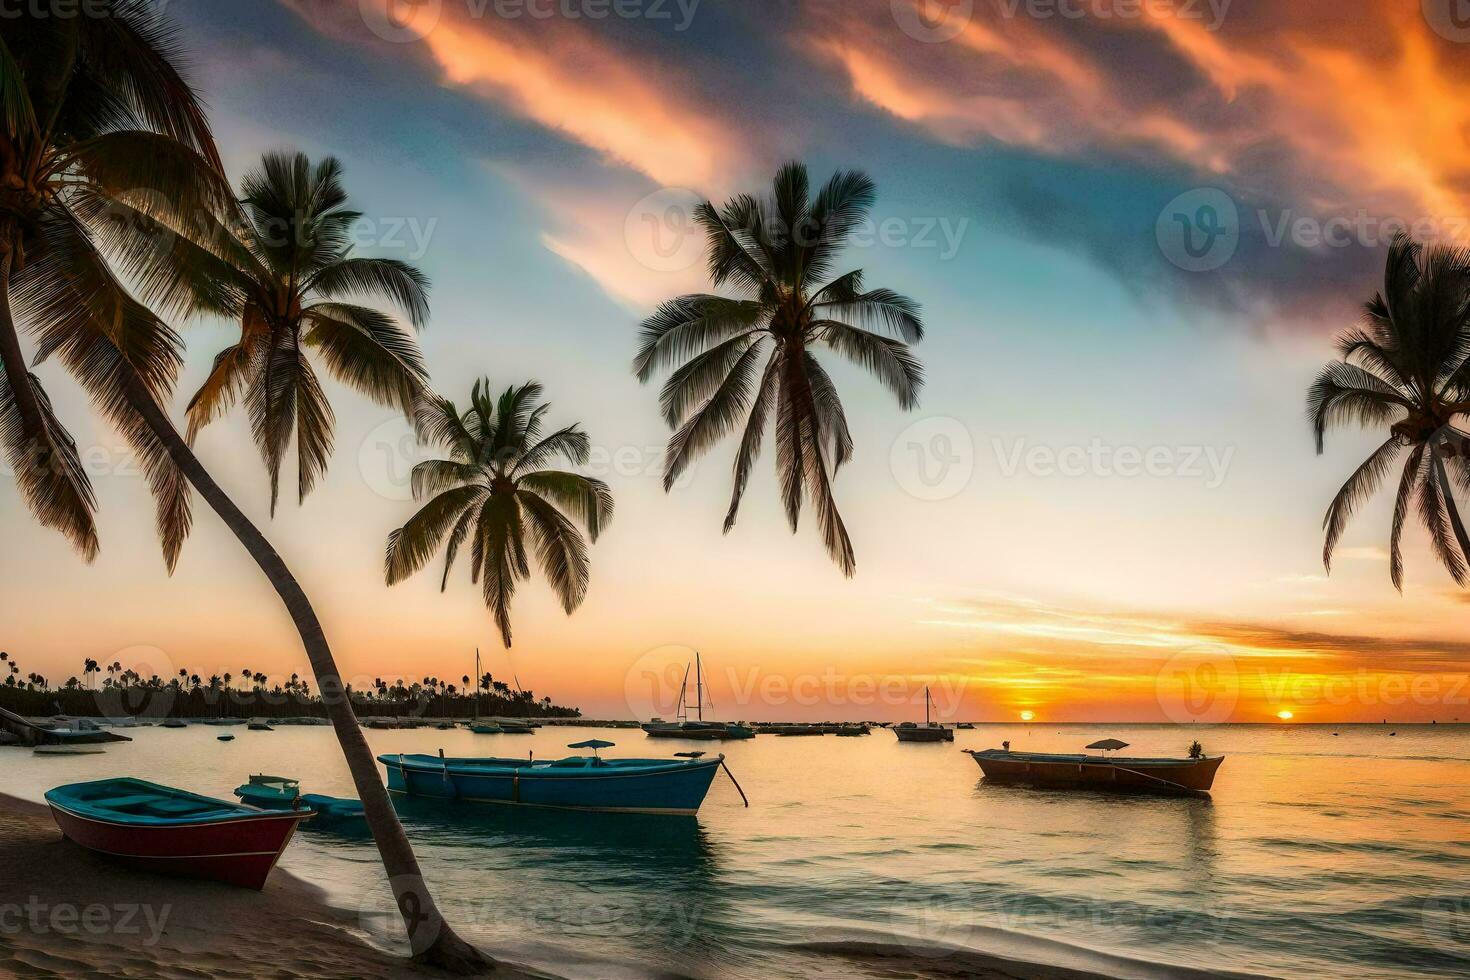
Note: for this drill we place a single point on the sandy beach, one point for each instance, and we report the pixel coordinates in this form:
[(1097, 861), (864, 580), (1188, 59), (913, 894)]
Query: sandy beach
[(65, 912)]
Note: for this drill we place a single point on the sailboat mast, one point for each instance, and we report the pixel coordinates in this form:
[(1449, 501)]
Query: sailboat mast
[(926, 706), (478, 675), (683, 713), (699, 685)]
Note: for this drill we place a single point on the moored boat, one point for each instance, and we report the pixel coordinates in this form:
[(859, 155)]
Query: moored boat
[(76, 749), (283, 793), (928, 732), (486, 728), (259, 725), (671, 786), (172, 831), (1192, 776)]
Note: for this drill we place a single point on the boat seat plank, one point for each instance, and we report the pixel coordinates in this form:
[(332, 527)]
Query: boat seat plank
[(114, 802)]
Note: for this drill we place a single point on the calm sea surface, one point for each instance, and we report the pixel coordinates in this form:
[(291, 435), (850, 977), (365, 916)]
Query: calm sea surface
[(1320, 854)]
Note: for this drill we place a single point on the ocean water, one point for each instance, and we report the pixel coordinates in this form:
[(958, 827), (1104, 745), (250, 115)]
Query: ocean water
[(1320, 854)]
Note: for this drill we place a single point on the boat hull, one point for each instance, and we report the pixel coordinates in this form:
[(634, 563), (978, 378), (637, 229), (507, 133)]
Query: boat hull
[(665, 787), (240, 851), (924, 734), (1172, 777)]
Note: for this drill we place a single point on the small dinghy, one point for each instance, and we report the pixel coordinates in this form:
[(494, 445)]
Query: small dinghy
[(172, 831), (281, 793), (68, 750)]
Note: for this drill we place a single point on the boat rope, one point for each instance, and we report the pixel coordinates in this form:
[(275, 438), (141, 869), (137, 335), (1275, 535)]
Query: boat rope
[(737, 785), (1157, 779)]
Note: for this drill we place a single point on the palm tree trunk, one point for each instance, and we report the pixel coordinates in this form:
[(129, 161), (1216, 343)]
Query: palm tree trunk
[(432, 939)]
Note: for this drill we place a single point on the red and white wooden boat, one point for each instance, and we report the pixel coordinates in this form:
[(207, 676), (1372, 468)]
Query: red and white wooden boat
[(158, 828)]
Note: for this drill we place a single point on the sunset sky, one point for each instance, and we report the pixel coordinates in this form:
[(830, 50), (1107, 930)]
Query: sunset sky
[(1107, 505)]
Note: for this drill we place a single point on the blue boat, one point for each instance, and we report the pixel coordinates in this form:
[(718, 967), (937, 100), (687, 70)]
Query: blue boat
[(280, 793), (672, 786)]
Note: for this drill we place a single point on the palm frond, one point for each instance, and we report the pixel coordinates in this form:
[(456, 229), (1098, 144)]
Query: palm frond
[(690, 325), (700, 377), (397, 281), (717, 416), (1345, 393), (412, 545), (569, 443), (888, 360), (47, 469), (560, 550), (15, 97), (833, 432), (750, 442), (1359, 487), (1410, 484), (584, 498), (369, 352)]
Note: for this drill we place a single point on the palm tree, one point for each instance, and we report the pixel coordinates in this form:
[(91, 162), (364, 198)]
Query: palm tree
[(753, 359), (493, 489), (285, 279), (103, 147), (1407, 368)]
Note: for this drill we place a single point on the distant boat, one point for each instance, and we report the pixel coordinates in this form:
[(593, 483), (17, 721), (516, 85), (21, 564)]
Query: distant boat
[(799, 730), (851, 731), (445, 726), (928, 732), (281, 793), (696, 728), (72, 749), (172, 831), (667, 786), (964, 726), (259, 725), (486, 728), (516, 728), (1194, 775), (174, 723), (224, 738)]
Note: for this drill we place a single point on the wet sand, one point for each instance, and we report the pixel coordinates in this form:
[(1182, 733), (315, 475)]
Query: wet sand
[(66, 912)]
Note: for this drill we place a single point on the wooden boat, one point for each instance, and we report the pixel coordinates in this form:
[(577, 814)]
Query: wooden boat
[(76, 749), (486, 728), (172, 831), (259, 725), (1190, 776), (516, 728), (672, 786), (928, 732), (281, 793)]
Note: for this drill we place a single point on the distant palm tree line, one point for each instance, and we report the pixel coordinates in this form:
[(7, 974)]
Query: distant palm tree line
[(191, 695)]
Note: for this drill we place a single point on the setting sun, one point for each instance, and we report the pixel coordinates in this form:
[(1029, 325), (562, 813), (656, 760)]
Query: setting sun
[(1285, 715), (1027, 715)]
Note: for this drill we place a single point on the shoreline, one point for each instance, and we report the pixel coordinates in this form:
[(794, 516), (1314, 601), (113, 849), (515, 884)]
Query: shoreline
[(65, 911)]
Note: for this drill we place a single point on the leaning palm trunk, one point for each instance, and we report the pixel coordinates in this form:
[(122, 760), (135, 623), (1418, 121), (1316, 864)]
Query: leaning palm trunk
[(432, 940)]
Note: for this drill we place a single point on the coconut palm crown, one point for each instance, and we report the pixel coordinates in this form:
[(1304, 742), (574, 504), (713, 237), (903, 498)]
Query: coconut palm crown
[(495, 492), (1406, 369), (750, 361), (281, 265), (95, 113)]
